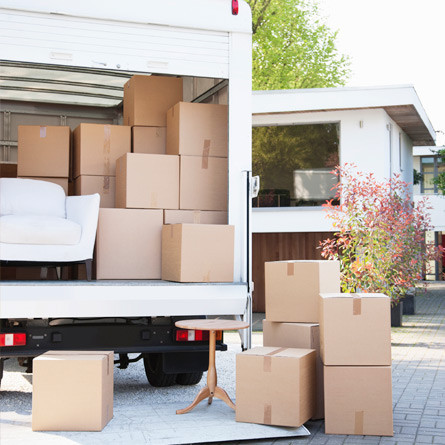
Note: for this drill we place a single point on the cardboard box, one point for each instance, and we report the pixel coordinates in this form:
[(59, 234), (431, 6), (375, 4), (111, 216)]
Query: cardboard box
[(147, 181), (72, 390), (194, 217), (97, 147), (275, 386), (299, 335), (197, 129), (203, 183), (63, 182), (358, 400), (147, 99), (292, 288), (355, 329), (198, 253), (104, 185), (43, 151), (128, 244), (148, 140), (8, 170)]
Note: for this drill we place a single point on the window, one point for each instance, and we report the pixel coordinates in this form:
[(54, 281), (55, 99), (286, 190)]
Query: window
[(430, 167), (294, 164)]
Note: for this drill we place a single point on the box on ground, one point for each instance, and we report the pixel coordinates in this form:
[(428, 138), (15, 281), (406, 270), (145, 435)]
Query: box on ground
[(355, 329), (63, 182), (358, 400), (198, 253), (275, 386), (104, 185), (8, 170), (43, 151), (97, 147), (148, 140), (147, 99), (128, 244), (299, 335), (147, 181), (292, 288), (203, 183), (197, 129), (194, 217), (72, 390)]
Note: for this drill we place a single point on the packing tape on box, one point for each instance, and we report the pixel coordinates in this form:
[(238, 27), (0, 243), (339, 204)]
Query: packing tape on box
[(43, 132), (106, 185), (205, 154), (290, 269), (356, 305), (197, 217), (267, 359), (358, 422), (107, 148), (267, 417)]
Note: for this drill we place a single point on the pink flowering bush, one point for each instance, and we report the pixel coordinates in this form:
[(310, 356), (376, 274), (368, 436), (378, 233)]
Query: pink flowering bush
[(380, 234)]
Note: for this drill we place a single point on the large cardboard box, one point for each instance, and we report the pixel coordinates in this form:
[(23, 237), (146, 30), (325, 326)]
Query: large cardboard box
[(355, 329), (147, 181), (128, 244), (299, 335), (358, 400), (197, 129), (198, 253), (63, 182), (72, 390), (43, 151), (194, 217), (203, 183), (97, 147), (275, 386), (148, 140), (292, 288), (147, 99), (104, 185)]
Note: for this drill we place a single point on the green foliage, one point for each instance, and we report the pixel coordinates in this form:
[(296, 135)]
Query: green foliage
[(293, 47), (439, 180), (417, 177)]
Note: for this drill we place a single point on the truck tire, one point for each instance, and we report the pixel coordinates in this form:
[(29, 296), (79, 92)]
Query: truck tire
[(1, 370), (154, 372), (189, 378)]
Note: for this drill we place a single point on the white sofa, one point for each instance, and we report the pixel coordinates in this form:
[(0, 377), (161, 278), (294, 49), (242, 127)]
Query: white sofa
[(39, 224)]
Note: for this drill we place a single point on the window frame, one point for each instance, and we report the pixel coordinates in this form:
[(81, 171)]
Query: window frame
[(436, 163)]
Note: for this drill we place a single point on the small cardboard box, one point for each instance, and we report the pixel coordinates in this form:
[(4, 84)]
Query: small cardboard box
[(147, 99), (355, 329), (197, 129), (358, 400), (275, 386), (63, 182), (292, 288), (43, 151), (97, 147), (72, 390), (198, 253), (299, 335), (203, 183), (148, 140), (128, 244), (147, 181), (194, 217), (104, 185)]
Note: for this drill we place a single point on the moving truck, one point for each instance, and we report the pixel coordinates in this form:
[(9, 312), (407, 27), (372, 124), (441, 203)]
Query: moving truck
[(65, 63)]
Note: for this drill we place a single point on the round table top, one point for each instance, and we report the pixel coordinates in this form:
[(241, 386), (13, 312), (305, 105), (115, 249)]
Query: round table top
[(212, 324)]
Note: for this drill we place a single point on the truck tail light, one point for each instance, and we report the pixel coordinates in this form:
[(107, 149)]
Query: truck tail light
[(16, 339), (235, 7), (192, 335)]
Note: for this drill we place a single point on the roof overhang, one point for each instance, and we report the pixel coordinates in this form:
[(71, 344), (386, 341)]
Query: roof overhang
[(401, 103)]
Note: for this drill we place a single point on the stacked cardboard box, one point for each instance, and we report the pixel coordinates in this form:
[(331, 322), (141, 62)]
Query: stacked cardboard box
[(43, 153), (355, 339)]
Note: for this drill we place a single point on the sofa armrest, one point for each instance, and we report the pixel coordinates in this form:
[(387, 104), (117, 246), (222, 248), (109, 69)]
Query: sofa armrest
[(85, 211)]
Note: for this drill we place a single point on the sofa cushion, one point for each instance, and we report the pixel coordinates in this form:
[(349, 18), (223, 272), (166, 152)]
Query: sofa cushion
[(36, 229), (20, 196)]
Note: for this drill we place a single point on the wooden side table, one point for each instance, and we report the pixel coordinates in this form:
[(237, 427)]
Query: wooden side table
[(211, 389)]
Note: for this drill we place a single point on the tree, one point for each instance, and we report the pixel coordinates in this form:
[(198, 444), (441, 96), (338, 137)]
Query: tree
[(293, 47)]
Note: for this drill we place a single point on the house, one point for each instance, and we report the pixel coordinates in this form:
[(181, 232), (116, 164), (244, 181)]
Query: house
[(299, 136)]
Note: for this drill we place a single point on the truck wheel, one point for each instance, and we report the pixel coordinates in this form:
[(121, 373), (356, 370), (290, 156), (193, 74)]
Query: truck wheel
[(189, 378), (154, 372)]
